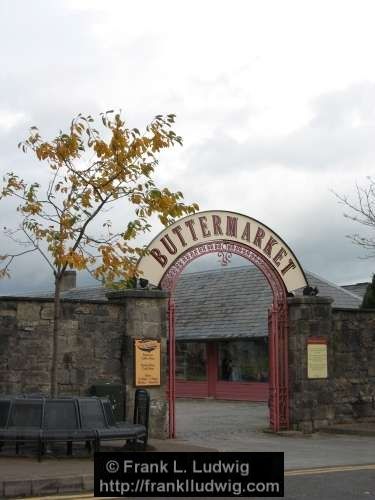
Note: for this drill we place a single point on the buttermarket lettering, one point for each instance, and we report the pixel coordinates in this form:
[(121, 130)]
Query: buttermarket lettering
[(214, 226)]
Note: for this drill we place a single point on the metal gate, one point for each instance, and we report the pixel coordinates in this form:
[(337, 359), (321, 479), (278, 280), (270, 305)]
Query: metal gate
[(277, 328), (278, 367), (171, 367)]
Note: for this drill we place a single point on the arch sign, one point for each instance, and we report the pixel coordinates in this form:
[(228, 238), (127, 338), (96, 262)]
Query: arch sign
[(212, 228)]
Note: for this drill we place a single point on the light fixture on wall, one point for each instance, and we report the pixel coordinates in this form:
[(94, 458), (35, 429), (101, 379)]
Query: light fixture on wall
[(143, 283), (310, 291)]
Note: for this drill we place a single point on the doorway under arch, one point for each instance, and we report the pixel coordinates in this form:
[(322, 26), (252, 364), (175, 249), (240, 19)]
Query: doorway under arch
[(221, 333)]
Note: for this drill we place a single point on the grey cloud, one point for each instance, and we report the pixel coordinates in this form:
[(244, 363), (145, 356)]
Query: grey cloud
[(340, 134), (322, 244), (53, 67)]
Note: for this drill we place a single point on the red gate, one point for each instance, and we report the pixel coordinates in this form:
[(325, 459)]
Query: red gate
[(277, 326), (278, 367), (171, 367)]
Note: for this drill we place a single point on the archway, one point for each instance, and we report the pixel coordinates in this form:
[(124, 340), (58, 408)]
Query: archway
[(227, 233)]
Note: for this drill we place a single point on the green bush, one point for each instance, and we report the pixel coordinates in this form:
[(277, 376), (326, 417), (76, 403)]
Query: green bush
[(369, 297)]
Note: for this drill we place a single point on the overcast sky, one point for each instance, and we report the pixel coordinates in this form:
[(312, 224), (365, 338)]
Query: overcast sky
[(275, 101)]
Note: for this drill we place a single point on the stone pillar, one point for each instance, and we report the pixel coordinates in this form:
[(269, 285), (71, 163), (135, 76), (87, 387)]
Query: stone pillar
[(145, 317), (311, 401)]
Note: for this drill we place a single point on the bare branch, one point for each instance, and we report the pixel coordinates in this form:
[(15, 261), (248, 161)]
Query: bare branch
[(37, 247), (362, 211), (11, 257)]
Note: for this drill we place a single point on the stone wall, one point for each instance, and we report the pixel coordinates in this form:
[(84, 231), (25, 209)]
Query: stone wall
[(89, 345), (348, 392), (96, 345), (353, 345)]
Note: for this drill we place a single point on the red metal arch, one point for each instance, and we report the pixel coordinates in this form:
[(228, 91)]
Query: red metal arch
[(277, 323)]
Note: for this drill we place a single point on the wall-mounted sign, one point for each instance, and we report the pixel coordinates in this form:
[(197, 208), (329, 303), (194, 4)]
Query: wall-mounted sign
[(317, 358), (147, 362), (216, 227)]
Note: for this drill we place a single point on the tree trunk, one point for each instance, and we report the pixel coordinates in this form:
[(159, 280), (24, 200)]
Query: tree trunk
[(124, 366), (55, 338)]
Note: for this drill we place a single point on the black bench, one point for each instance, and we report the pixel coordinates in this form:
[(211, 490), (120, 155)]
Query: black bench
[(70, 420), (137, 431)]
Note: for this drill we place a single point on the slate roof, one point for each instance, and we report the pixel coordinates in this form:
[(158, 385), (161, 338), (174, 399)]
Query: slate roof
[(341, 297), (233, 303), (85, 294), (225, 303), (357, 288), (90, 293)]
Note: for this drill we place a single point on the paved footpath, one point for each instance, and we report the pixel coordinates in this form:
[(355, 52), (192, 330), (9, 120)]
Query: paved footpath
[(208, 426), (351, 483), (239, 426), (25, 476)]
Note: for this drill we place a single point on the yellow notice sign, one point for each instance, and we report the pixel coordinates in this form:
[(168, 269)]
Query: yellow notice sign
[(317, 365), (147, 362)]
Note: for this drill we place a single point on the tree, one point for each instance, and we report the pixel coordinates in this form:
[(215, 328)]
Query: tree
[(369, 297), (362, 210), (88, 171)]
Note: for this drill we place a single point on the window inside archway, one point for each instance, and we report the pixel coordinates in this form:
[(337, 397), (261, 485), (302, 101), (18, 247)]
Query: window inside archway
[(191, 361), (243, 361)]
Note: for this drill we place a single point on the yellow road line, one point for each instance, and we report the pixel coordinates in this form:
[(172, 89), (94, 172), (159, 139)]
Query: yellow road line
[(66, 497), (328, 470), (288, 473)]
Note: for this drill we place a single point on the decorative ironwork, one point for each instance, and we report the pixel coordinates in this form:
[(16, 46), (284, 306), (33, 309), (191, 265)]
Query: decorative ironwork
[(225, 256), (172, 367), (277, 321)]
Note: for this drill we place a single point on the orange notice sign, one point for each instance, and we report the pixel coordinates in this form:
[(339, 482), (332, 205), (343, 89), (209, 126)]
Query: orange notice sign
[(147, 362)]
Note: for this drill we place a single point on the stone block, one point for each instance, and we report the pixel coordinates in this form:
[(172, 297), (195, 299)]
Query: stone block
[(112, 366), (114, 312), (68, 310), (4, 342), (363, 409), (344, 409), (102, 310), (69, 484), (83, 309), (306, 427), (8, 305), (326, 395), (340, 419), (15, 362), (151, 330), (68, 324), (47, 311), (44, 486), (151, 314), (36, 376), (80, 376), (28, 311), (320, 423), (321, 412), (8, 312), (25, 326), (88, 482), (15, 488), (158, 419), (8, 325)]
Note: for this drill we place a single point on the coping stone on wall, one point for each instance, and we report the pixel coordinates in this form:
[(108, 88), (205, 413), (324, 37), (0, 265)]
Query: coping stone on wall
[(135, 293), (292, 301)]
